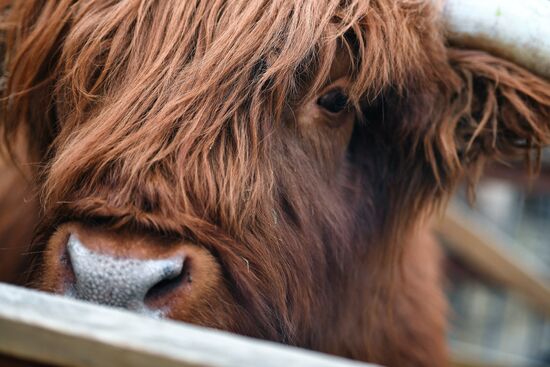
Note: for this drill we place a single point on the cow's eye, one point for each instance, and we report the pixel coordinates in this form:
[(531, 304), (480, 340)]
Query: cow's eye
[(334, 101)]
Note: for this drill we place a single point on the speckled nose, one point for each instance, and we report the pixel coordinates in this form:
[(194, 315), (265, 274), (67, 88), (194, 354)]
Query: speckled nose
[(114, 281)]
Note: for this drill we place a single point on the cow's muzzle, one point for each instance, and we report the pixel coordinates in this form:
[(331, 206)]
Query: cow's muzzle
[(119, 281), (151, 275)]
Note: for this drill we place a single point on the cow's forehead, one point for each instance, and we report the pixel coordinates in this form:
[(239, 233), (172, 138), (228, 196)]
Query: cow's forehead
[(229, 48)]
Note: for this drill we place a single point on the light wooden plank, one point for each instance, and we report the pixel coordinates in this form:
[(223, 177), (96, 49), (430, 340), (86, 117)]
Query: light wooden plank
[(478, 245), (51, 329)]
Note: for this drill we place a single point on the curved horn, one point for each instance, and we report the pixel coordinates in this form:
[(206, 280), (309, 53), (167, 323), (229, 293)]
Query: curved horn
[(518, 30)]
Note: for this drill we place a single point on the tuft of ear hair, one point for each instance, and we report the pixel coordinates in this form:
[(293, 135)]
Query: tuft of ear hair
[(498, 111)]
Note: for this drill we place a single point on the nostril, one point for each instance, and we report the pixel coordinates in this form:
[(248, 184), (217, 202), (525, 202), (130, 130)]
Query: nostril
[(170, 283)]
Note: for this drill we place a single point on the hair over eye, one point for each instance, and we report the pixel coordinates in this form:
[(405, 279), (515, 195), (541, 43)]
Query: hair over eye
[(334, 101)]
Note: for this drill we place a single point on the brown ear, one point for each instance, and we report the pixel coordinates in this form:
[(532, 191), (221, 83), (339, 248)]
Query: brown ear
[(497, 111), (30, 38)]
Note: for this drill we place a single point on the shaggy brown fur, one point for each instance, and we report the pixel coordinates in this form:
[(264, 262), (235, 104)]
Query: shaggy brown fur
[(197, 120)]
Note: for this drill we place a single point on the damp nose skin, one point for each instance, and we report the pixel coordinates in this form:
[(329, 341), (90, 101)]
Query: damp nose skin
[(117, 281)]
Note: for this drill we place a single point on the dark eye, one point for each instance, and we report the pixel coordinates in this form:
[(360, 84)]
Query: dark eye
[(334, 101)]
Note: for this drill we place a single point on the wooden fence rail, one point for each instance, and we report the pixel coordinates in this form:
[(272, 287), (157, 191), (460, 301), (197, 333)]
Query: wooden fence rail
[(480, 246), (51, 329)]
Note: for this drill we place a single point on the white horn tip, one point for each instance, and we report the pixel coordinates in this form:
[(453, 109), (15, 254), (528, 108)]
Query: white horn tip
[(516, 30)]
